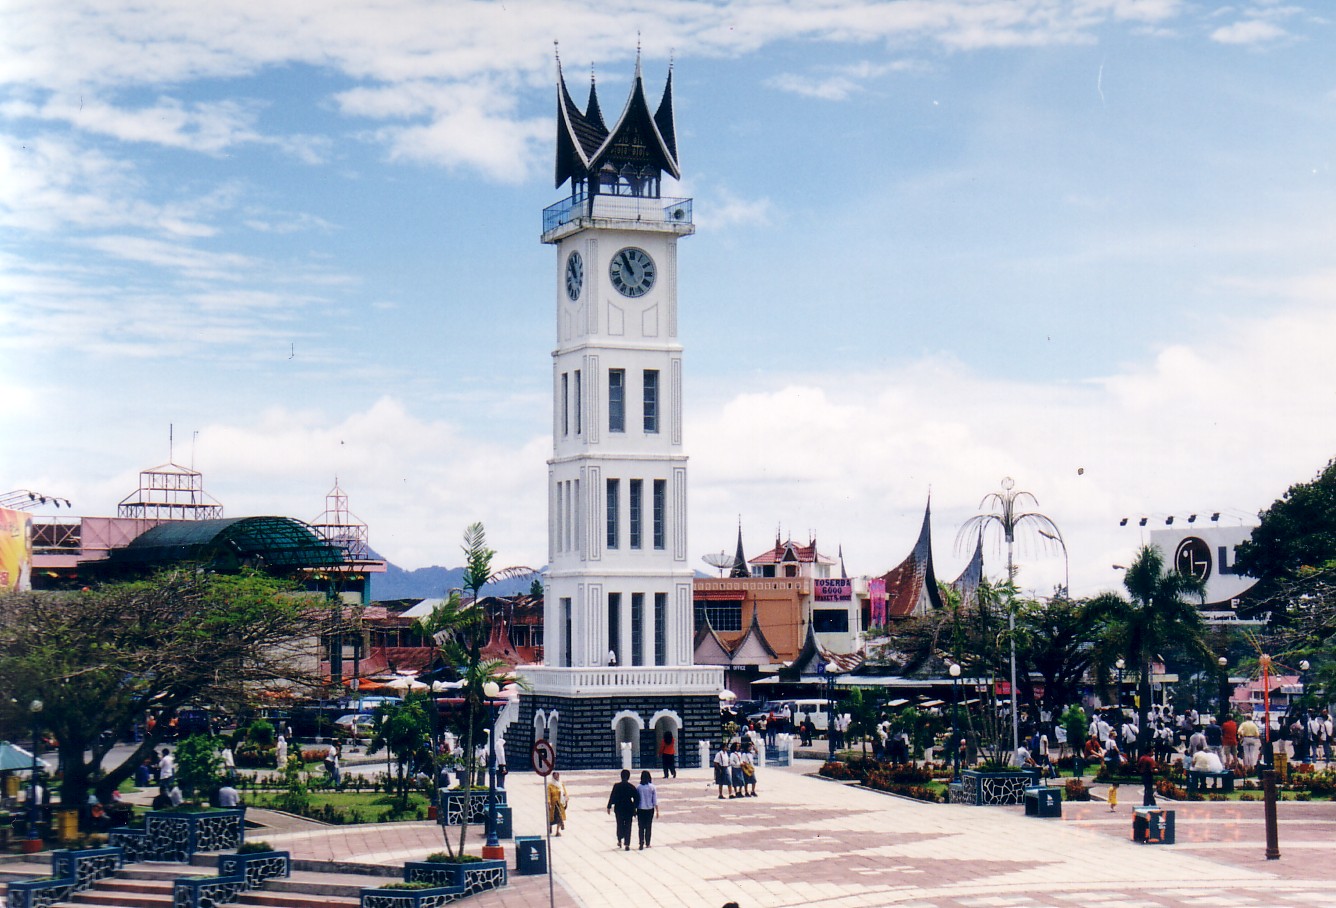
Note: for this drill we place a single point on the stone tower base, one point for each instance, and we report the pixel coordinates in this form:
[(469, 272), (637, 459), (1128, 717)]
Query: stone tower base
[(587, 729)]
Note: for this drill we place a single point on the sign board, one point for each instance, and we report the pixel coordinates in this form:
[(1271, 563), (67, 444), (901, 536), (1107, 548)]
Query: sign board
[(832, 589), (544, 757)]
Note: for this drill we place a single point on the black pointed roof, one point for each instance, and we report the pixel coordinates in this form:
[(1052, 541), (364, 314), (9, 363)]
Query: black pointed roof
[(639, 138), (740, 568)]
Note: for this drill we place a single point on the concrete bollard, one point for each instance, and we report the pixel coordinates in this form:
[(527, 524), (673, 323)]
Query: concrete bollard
[(625, 747)]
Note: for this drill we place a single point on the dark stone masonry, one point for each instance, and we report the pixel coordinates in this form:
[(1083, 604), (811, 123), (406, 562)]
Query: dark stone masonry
[(584, 736)]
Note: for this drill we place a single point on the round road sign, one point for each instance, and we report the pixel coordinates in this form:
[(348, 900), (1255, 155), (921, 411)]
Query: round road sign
[(544, 757)]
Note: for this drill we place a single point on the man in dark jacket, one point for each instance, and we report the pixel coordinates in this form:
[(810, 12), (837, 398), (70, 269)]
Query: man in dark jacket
[(623, 801)]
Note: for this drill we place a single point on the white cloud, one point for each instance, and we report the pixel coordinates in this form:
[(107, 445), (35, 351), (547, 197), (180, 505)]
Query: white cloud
[(1249, 31), (1224, 424), (837, 83)]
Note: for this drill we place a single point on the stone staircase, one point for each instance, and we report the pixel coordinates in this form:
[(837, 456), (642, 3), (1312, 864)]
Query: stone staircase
[(149, 885)]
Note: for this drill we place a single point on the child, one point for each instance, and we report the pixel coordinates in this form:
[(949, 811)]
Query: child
[(1113, 796)]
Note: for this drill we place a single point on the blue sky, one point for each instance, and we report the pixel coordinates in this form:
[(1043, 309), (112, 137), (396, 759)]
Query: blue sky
[(1085, 244)]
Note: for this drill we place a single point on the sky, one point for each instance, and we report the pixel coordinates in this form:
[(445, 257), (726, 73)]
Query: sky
[(1088, 245)]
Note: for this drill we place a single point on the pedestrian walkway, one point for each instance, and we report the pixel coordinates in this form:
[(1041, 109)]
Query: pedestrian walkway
[(809, 841)]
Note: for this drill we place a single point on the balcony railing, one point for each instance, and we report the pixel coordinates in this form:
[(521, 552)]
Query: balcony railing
[(694, 679), (626, 209)]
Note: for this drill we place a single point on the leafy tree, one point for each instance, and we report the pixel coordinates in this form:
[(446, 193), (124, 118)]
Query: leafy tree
[(862, 711), (1053, 640), (1298, 531), (199, 764), (404, 729), (1157, 613), (99, 656), (1074, 721)]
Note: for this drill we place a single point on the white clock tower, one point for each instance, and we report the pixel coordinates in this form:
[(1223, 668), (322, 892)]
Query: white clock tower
[(618, 631)]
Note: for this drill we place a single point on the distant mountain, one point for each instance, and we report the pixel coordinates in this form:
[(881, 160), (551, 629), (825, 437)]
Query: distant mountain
[(434, 581)]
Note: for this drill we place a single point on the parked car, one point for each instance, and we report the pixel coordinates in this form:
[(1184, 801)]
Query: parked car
[(356, 725)]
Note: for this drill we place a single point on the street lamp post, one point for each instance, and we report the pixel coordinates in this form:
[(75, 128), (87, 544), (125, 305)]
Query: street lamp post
[(1120, 664), (34, 842), (830, 669), (1224, 686), (955, 724), (492, 848)]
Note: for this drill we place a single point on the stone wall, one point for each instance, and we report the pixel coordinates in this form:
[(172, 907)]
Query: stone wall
[(585, 738)]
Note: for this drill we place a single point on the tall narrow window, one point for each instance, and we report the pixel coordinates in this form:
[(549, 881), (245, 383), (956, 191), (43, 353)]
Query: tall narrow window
[(577, 518), (565, 404), (637, 628), (651, 409), (561, 517), (566, 631), (660, 628), (635, 510), (660, 513), (614, 628), (616, 400), (614, 495), (579, 404)]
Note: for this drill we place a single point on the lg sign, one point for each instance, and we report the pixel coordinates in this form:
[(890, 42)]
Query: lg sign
[(1193, 558)]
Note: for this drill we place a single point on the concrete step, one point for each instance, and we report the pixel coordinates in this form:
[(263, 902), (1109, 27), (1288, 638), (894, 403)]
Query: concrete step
[(157, 871), (24, 870), (145, 887), (97, 896), (309, 882), (293, 900)]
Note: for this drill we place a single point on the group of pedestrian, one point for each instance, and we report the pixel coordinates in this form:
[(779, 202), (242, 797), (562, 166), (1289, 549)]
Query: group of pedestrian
[(640, 803), (735, 769)]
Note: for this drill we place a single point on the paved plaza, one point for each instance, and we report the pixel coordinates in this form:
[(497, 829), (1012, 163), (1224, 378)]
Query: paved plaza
[(809, 841)]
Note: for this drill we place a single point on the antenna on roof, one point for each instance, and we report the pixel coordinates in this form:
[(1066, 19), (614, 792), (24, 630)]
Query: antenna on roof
[(171, 443)]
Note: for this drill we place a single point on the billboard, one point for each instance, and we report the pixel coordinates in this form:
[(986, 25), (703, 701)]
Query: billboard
[(1207, 553), (15, 551)]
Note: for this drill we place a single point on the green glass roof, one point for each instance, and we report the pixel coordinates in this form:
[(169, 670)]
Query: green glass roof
[(274, 542)]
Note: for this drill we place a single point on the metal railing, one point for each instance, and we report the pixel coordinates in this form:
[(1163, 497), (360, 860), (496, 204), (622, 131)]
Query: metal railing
[(627, 209)]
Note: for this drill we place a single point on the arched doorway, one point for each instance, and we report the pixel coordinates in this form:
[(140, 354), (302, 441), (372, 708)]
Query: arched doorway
[(626, 729), (664, 722)]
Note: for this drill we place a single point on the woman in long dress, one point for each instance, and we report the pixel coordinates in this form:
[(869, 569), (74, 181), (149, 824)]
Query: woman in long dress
[(557, 799)]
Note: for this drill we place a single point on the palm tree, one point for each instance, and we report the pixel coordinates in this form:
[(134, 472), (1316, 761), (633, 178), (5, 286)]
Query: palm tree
[(460, 628), (1156, 613), (1007, 517)]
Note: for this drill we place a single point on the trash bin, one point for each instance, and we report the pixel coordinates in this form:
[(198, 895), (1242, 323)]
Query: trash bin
[(530, 855), (67, 825), (503, 821)]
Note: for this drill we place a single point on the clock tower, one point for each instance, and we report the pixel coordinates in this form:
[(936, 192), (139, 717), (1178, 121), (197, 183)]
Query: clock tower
[(617, 598)]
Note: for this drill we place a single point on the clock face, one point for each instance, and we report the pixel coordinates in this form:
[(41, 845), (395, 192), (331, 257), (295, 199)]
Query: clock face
[(575, 275), (632, 272)]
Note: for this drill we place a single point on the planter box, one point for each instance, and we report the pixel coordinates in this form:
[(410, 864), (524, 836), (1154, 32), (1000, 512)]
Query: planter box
[(993, 788), (171, 836), (71, 872), (460, 807), (410, 898), (236, 874), (470, 878)]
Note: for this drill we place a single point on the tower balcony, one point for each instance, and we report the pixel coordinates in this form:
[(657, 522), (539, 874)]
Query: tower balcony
[(599, 681), (620, 212)]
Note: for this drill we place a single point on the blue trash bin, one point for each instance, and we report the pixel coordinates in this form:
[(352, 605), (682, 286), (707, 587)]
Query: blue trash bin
[(504, 827), (530, 855)]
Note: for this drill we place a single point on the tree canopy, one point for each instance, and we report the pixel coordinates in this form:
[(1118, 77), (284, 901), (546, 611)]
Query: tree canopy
[(1297, 532), (100, 657)]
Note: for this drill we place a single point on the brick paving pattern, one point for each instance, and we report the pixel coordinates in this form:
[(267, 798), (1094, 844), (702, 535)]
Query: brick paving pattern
[(808, 841)]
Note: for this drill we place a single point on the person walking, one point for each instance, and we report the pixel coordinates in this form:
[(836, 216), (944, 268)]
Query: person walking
[(229, 764), (668, 755), (557, 799), (623, 802), (748, 769), (735, 780), (647, 808)]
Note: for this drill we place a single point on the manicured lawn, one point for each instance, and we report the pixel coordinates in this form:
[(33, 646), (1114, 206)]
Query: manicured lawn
[(354, 806)]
